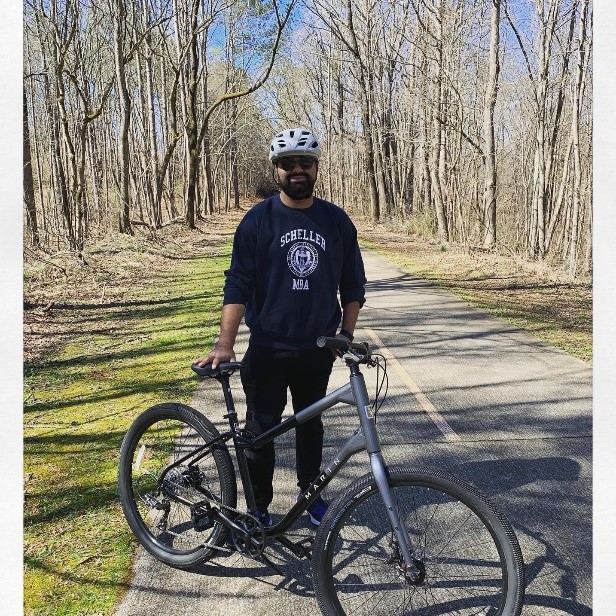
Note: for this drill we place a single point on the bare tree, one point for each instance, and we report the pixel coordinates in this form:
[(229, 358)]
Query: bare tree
[(119, 15), (32, 221), (576, 104), (281, 15), (489, 198)]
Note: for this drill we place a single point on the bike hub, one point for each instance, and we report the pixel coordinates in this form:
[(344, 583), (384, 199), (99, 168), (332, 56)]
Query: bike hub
[(413, 576)]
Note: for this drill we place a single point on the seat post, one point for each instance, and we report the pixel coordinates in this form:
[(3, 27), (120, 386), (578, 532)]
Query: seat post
[(223, 379), (238, 441)]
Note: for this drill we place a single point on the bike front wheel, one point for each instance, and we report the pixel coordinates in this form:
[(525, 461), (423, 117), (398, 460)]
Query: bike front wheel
[(464, 548), (168, 481)]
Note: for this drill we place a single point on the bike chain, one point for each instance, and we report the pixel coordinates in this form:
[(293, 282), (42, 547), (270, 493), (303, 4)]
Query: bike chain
[(239, 514), (244, 518)]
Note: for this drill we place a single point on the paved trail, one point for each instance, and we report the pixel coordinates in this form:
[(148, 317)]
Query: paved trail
[(467, 392)]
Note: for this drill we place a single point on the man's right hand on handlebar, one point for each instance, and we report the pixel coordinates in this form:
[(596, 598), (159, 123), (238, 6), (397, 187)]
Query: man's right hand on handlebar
[(338, 352)]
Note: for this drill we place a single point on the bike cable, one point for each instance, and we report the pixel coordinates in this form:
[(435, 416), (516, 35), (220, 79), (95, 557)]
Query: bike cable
[(381, 380)]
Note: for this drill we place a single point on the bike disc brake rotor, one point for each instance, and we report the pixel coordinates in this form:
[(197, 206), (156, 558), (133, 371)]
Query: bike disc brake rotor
[(397, 560)]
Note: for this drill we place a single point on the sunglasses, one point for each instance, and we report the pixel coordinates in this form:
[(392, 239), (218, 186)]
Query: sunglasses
[(289, 163)]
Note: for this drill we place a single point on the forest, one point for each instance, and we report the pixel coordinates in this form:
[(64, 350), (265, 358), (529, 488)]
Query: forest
[(466, 121)]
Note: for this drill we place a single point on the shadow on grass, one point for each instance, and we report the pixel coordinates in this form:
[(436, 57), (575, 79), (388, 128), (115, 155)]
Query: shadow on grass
[(137, 303), (128, 354), (71, 502), (125, 333), (139, 389)]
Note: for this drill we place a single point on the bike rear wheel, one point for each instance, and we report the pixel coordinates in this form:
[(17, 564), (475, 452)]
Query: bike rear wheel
[(465, 549), (169, 509)]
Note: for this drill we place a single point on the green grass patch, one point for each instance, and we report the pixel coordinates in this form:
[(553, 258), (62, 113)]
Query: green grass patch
[(118, 359)]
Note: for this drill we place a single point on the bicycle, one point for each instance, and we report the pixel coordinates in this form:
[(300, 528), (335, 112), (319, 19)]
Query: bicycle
[(398, 540)]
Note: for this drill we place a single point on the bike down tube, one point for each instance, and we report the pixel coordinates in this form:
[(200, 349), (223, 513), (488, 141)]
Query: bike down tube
[(343, 394), (354, 445), (379, 470)]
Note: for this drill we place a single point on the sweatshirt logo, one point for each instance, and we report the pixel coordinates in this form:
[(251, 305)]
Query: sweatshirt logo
[(302, 259)]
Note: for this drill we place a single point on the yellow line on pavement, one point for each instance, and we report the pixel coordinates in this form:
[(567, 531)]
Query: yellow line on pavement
[(405, 377)]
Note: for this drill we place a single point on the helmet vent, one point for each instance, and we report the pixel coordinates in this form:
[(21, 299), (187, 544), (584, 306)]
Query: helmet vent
[(291, 133)]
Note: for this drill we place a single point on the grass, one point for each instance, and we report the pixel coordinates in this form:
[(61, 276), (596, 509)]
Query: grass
[(121, 357)]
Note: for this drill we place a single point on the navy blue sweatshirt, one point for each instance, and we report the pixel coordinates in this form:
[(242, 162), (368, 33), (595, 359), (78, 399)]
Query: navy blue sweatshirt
[(288, 266)]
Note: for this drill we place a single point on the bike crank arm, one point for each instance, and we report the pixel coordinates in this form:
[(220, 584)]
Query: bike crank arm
[(299, 550), (214, 511), (229, 524)]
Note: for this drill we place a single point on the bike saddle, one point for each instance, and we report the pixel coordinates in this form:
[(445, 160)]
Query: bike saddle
[(225, 367)]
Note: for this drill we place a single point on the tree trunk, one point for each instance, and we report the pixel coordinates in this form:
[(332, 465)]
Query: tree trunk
[(575, 135), (489, 197), (152, 147), (436, 166), (438, 136), (118, 9), (29, 202), (192, 132)]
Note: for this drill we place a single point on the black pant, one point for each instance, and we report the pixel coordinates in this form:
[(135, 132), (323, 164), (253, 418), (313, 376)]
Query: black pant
[(266, 376)]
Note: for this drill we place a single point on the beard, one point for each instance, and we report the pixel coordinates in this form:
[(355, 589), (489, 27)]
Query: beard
[(297, 190)]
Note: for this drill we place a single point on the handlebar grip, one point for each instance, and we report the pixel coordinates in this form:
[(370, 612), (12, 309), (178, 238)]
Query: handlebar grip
[(339, 344), (343, 345), (225, 367)]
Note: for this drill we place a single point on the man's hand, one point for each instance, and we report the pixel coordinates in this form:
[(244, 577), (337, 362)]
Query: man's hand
[(216, 356), (336, 352)]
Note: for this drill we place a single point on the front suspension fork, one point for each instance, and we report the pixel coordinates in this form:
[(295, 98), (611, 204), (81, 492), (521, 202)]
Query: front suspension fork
[(381, 476)]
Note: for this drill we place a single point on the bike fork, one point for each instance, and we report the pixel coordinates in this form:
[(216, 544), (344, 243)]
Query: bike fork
[(379, 470)]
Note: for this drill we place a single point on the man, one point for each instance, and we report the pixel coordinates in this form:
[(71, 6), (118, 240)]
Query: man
[(292, 254)]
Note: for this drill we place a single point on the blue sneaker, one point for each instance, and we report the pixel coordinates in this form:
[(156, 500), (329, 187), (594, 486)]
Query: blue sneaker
[(264, 517), (317, 510)]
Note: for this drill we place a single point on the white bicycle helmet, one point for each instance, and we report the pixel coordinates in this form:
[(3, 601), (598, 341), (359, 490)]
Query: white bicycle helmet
[(294, 141)]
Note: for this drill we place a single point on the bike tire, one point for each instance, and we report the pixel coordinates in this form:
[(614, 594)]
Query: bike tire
[(166, 528), (471, 559)]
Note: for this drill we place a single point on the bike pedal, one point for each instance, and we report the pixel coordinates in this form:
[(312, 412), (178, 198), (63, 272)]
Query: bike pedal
[(202, 523)]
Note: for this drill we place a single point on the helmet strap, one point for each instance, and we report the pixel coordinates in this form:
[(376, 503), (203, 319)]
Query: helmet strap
[(275, 175)]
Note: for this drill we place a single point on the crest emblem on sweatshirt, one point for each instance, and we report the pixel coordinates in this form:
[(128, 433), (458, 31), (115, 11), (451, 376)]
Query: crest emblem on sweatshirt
[(302, 259)]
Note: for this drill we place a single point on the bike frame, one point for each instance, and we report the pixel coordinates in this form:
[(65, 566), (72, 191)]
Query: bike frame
[(365, 438)]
